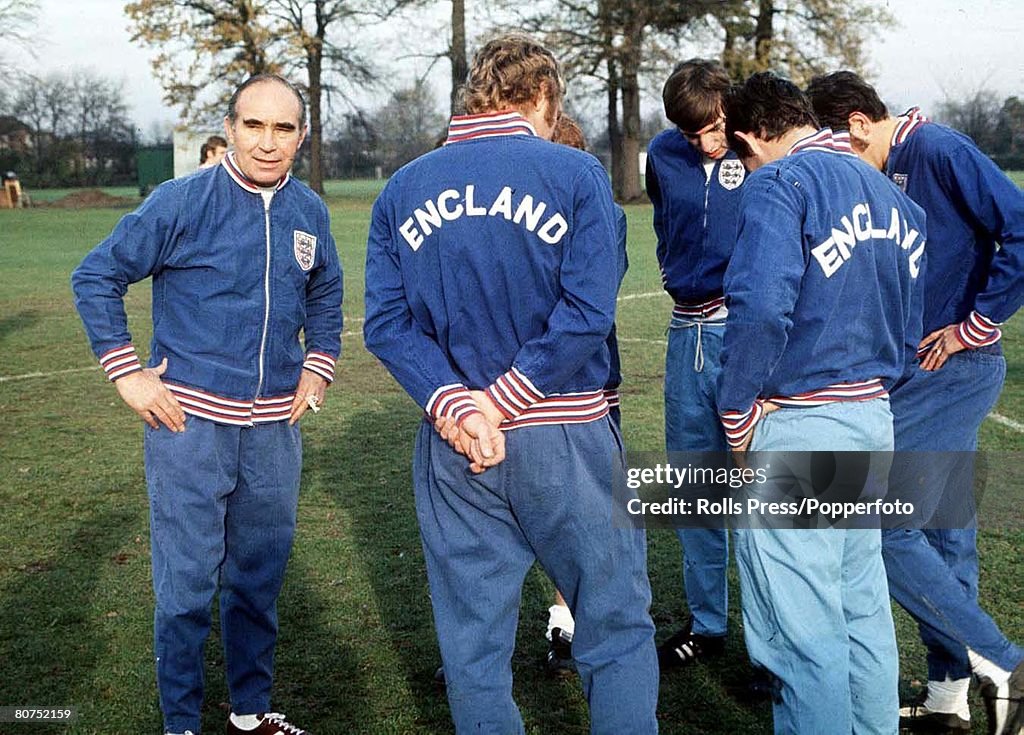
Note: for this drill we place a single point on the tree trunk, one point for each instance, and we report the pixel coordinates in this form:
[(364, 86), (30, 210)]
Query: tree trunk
[(457, 54), (729, 52), (631, 123), (314, 70), (763, 33), (614, 131), (316, 180)]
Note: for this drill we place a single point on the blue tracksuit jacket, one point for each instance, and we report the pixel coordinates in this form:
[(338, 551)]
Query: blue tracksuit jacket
[(235, 281), (492, 263), (821, 287), (975, 212), (694, 216)]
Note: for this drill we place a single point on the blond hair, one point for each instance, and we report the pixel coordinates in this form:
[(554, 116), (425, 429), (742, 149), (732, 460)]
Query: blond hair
[(508, 72)]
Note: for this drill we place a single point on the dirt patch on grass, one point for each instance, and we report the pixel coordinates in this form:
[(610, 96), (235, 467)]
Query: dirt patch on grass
[(90, 199)]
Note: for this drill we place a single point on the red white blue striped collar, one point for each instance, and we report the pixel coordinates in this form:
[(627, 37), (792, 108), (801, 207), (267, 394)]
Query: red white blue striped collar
[(824, 140), (244, 181), (906, 124), (488, 125)]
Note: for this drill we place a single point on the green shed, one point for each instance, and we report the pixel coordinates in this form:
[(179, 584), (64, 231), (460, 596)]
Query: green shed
[(155, 164)]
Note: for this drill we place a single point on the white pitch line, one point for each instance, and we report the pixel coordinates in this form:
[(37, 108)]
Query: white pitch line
[(26, 376), (631, 296), (643, 341), (1009, 423)]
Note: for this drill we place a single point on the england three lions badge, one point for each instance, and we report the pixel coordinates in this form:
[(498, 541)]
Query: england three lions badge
[(305, 249), (731, 173)]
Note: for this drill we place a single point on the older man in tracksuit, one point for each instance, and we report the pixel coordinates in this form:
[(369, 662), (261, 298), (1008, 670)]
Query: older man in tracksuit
[(492, 267), (823, 313), (242, 259), (694, 182)]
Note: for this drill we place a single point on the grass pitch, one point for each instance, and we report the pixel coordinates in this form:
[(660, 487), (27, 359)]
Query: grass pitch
[(357, 648)]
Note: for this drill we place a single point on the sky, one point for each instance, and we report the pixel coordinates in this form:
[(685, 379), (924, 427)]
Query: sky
[(940, 48)]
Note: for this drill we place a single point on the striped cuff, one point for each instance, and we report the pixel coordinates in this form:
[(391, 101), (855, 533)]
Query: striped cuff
[(977, 331), (451, 402), (738, 426), (320, 363), (612, 396), (513, 393), (120, 361)]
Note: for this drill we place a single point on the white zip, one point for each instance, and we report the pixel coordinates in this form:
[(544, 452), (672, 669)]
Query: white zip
[(707, 190), (266, 292)]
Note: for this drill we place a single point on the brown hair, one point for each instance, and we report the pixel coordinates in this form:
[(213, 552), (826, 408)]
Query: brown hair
[(838, 95), (508, 72), (766, 106), (212, 143), (568, 132), (694, 94)]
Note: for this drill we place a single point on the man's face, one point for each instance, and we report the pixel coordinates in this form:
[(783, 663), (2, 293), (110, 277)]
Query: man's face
[(710, 139), (266, 133), (215, 155)]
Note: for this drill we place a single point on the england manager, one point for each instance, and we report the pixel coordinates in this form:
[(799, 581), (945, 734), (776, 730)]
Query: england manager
[(242, 259), (491, 279)]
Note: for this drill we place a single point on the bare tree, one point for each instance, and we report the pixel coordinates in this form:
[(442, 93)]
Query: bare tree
[(17, 25), (799, 38), (306, 24), (977, 116), (29, 105), (406, 127), (457, 54), (612, 42), (215, 44), (79, 125)]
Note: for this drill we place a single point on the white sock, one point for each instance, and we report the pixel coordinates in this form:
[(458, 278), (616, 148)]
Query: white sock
[(560, 617), (986, 669), (246, 722), (949, 696)]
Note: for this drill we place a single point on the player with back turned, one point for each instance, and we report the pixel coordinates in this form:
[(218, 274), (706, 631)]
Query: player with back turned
[(817, 335), (491, 279)]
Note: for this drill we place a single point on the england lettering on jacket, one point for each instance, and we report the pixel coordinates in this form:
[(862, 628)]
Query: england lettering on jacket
[(452, 204), (858, 227)]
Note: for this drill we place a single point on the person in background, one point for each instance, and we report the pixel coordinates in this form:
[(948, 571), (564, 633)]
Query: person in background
[(561, 626), (212, 151)]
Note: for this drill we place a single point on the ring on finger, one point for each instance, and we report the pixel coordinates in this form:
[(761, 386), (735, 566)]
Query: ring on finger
[(313, 402)]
